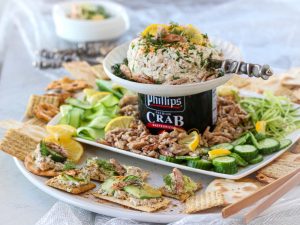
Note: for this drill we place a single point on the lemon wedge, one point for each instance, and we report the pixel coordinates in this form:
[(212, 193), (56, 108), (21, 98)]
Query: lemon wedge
[(191, 141), (74, 149), (61, 131), (119, 122), (95, 97), (218, 152)]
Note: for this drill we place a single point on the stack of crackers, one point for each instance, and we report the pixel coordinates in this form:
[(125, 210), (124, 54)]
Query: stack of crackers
[(286, 84), (83, 71)]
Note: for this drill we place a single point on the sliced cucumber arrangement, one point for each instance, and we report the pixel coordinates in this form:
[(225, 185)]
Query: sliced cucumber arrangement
[(248, 149), (225, 164), (247, 152), (257, 159), (170, 159), (239, 160), (268, 146), (203, 164), (284, 143)]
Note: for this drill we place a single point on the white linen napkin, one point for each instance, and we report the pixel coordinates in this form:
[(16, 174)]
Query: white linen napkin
[(284, 212)]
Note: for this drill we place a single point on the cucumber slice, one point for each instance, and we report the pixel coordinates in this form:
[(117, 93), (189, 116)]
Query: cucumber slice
[(223, 146), (253, 140), (247, 152), (200, 164), (170, 159), (75, 117), (225, 164), (239, 160), (284, 143), (257, 159), (240, 141), (260, 136), (187, 157), (268, 145), (78, 103)]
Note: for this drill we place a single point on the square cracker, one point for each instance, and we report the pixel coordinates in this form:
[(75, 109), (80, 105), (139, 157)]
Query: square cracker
[(54, 182), (35, 100), (276, 170), (152, 208), (18, 144), (204, 201)]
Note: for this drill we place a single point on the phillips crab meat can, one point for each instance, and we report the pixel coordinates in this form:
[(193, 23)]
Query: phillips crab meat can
[(160, 113)]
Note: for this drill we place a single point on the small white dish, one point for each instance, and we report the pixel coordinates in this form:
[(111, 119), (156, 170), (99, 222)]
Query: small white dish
[(77, 30), (118, 54)]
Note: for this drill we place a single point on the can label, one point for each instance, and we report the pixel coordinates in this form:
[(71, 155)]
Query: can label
[(160, 113)]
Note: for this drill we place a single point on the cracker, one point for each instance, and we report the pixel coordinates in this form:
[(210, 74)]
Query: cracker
[(233, 190), (45, 111), (238, 81), (36, 121), (35, 100), (181, 197), (264, 179), (276, 170), (152, 208), (30, 166), (204, 201), (100, 73), (291, 78), (54, 182), (81, 70), (18, 144)]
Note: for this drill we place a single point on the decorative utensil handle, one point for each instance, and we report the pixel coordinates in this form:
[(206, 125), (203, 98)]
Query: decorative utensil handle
[(239, 67)]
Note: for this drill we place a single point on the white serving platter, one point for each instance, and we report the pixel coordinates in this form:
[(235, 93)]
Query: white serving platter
[(118, 54), (243, 172)]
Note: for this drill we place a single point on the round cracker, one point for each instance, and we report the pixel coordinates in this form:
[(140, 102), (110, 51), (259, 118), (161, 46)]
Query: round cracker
[(29, 165)]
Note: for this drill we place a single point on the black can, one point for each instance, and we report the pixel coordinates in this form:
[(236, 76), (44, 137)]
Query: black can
[(160, 113)]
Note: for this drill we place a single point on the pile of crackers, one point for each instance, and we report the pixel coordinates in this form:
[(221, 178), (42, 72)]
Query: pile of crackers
[(286, 84)]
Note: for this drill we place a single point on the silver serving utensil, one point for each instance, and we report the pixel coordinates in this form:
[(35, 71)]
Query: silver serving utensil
[(240, 67)]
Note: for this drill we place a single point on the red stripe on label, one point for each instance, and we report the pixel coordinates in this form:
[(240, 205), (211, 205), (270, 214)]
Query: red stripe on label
[(161, 126), (166, 106)]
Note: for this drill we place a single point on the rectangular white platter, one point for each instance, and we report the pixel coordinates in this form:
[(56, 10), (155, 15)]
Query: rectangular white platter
[(243, 172)]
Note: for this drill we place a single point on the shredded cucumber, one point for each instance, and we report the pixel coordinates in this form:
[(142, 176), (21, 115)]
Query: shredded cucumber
[(280, 114)]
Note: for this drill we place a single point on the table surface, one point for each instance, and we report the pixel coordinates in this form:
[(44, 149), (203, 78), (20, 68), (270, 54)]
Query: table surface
[(21, 202)]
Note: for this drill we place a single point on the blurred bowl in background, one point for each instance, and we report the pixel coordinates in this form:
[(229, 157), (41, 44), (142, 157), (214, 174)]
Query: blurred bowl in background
[(82, 30)]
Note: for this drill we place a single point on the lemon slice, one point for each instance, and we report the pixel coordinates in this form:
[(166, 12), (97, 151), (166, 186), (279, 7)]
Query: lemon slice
[(218, 152), (74, 149), (95, 97), (191, 141), (61, 131), (260, 126), (119, 122)]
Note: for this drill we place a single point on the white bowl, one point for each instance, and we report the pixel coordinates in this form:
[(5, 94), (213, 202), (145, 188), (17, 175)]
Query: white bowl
[(76, 30), (118, 54)]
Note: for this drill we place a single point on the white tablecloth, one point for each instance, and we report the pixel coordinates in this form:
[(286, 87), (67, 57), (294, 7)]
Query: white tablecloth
[(266, 32)]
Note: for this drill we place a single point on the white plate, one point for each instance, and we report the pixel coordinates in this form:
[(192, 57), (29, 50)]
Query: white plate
[(88, 30), (118, 54), (168, 215), (240, 174)]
